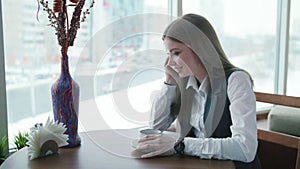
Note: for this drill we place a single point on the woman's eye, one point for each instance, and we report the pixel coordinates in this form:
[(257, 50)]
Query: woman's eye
[(176, 53)]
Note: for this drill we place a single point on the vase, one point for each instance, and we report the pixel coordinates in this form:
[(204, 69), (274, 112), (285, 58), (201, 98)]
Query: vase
[(65, 103)]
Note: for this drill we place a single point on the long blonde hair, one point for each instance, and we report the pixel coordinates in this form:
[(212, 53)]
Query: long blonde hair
[(203, 25)]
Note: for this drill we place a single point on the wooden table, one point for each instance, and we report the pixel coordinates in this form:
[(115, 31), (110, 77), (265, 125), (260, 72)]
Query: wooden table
[(108, 149)]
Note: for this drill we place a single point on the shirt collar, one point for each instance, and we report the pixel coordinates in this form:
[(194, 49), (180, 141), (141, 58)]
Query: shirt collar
[(193, 83)]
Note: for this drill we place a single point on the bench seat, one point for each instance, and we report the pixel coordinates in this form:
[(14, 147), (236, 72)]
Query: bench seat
[(284, 119)]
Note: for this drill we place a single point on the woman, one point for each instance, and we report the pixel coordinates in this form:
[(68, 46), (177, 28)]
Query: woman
[(212, 100)]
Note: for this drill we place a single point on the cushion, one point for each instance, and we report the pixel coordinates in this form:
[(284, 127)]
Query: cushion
[(285, 120)]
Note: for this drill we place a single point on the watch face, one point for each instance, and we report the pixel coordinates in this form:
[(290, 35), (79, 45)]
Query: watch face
[(179, 147)]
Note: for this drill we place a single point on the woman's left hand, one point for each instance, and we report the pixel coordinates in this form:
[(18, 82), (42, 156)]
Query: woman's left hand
[(161, 144)]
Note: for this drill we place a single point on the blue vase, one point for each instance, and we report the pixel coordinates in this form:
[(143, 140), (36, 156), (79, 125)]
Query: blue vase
[(65, 103)]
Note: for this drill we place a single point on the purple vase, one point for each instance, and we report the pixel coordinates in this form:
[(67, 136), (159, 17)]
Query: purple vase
[(65, 102)]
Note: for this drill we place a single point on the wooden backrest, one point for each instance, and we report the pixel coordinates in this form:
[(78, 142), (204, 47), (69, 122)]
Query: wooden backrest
[(278, 99), (273, 143)]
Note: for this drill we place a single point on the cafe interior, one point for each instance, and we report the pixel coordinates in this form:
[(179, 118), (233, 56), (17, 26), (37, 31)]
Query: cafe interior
[(102, 61)]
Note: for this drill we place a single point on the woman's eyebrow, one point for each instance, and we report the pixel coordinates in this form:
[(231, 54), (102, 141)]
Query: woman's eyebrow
[(174, 49)]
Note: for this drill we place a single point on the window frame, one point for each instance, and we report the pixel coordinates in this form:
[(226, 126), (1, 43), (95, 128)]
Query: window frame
[(282, 47), (3, 108)]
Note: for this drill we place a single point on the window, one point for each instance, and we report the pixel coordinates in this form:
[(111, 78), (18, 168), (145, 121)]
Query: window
[(117, 54), (294, 51), (32, 60)]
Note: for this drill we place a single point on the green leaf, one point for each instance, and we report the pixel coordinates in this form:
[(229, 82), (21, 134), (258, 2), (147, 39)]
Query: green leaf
[(3, 148), (21, 140)]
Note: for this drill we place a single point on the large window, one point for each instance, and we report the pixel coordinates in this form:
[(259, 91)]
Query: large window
[(32, 60), (118, 53)]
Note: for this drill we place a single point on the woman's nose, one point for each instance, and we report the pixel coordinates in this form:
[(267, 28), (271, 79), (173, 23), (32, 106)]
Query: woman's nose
[(171, 60)]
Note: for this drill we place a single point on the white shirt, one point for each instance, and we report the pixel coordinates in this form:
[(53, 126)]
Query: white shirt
[(198, 105), (241, 146)]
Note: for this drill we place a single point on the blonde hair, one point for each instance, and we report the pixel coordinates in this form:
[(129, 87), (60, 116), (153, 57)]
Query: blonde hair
[(203, 25)]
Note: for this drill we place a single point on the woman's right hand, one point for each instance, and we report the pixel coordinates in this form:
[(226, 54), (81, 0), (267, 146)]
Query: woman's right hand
[(161, 144), (170, 73)]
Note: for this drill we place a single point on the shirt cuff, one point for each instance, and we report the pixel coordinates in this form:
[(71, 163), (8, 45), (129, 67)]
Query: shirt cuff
[(169, 91), (202, 147), (191, 146)]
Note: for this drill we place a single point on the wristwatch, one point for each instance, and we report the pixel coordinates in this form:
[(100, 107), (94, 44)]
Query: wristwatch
[(179, 147)]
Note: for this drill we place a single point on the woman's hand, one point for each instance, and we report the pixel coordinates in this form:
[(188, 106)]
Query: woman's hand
[(160, 144), (171, 75)]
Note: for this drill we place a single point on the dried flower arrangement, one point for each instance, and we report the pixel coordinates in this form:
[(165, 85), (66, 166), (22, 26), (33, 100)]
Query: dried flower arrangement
[(65, 91), (58, 18)]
